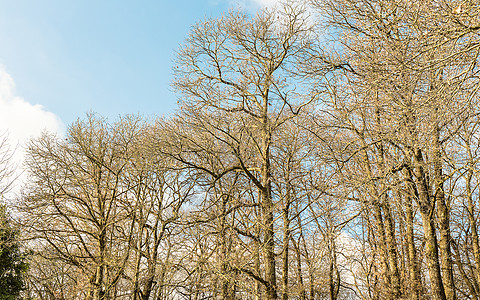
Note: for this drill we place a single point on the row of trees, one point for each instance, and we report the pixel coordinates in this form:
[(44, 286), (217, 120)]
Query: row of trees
[(329, 160)]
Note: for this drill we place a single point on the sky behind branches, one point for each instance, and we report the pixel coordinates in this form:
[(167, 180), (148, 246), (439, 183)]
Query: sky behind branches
[(60, 59)]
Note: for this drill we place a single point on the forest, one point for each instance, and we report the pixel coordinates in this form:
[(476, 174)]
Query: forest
[(320, 150)]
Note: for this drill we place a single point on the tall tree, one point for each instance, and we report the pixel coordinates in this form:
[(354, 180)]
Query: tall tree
[(237, 78)]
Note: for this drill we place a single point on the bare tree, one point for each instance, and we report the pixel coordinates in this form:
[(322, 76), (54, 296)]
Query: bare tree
[(410, 69), (237, 78), (158, 191), (74, 206)]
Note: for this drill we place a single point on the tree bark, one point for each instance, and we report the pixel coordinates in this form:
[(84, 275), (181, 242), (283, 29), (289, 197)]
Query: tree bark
[(286, 239), (427, 210), (443, 216), (413, 267)]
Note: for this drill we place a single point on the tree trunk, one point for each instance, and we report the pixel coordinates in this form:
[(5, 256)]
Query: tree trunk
[(427, 212), (258, 289), (333, 273), (474, 232), (443, 216), (286, 239), (223, 250), (392, 251), (413, 267), (267, 204), (382, 246), (298, 255)]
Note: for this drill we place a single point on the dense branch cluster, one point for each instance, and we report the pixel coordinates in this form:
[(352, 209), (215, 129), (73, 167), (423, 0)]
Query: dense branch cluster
[(328, 150)]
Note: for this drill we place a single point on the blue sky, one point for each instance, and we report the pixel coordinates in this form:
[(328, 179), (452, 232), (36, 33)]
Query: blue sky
[(62, 58), (109, 56)]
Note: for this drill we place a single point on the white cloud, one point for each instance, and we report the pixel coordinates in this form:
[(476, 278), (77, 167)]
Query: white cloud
[(253, 5), (21, 119), (266, 3)]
